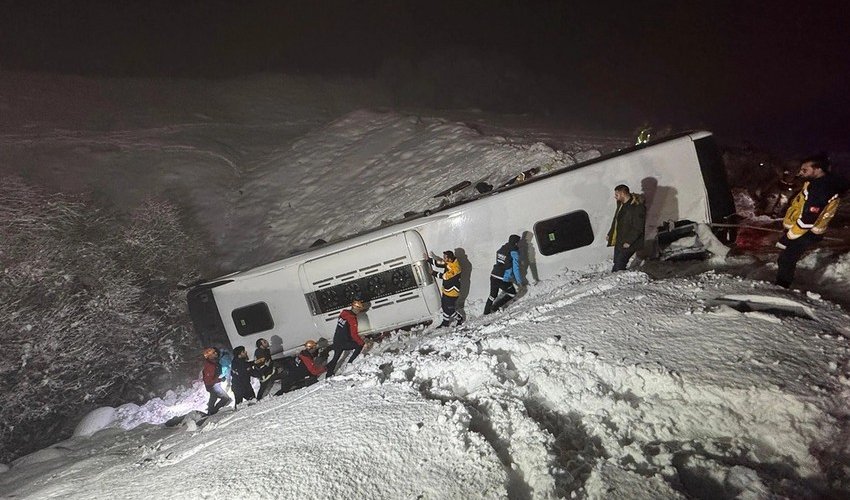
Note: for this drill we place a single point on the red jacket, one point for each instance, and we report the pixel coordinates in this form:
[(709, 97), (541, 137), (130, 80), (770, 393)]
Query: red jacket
[(347, 323), (210, 373), (310, 364)]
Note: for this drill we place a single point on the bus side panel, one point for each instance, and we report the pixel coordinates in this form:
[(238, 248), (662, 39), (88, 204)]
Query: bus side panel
[(281, 292), (667, 174)]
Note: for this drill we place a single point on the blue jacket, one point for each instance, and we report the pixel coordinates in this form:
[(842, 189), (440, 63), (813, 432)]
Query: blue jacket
[(507, 264)]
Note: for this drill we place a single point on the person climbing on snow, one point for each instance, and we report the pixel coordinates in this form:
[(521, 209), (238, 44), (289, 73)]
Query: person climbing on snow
[(346, 336), (503, 275), (212, 381), (308, 366), (241, 371), (450, 291), (264, 368)]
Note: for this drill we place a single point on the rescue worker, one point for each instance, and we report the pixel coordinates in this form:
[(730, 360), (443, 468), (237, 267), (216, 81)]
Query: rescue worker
[(505, 272), (628, 226), (808, 215), (241, 371), (450, 291), (346, 336), (212, 381), (308, 366), (264, 368)]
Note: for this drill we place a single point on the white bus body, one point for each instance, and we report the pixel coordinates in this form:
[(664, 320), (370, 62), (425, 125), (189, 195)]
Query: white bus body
[(563, 217)]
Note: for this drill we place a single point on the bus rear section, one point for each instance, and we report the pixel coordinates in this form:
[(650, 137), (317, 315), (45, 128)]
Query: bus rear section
[(391, 273)]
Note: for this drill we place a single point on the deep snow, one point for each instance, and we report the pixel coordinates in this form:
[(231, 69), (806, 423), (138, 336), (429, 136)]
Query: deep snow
[(591, 384), (595, 384)]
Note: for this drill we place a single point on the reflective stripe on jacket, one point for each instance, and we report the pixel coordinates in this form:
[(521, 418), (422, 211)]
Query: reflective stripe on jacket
[(813, 207)]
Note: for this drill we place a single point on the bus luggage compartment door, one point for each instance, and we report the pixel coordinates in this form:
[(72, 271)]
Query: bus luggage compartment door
[(391, 273)]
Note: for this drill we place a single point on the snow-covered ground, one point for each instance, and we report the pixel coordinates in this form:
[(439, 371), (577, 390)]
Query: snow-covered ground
[(591, 384)]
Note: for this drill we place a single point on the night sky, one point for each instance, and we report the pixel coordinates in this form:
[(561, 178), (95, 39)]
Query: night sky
[(772, 73)]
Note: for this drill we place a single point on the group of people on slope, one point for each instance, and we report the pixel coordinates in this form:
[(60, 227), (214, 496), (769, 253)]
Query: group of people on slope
[(626, 236), (805, 222), (308, 365), (503, 278), (305, 371)]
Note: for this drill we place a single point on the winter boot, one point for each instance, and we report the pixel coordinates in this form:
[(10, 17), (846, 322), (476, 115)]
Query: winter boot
[(488, 307), (500, 302)]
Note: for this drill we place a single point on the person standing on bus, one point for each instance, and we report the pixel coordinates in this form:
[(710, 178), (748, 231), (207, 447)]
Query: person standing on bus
[(450, 291), (627, 227), (346, 336), (505, 272)]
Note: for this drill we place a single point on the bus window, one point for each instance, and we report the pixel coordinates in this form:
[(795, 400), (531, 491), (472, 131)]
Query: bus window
[(563, 233), (252, 319)]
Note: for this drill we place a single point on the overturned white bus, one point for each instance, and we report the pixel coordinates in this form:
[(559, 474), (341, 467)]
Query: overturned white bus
[(563, 216)]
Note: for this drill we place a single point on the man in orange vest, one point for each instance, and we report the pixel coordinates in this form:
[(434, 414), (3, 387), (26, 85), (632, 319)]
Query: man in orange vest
[(809, 214)]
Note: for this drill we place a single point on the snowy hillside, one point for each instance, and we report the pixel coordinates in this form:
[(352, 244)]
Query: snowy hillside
[(594, 385), (259, 160)]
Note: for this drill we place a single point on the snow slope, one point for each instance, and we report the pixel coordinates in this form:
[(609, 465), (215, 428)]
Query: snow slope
[(259, 160), (592, 384)]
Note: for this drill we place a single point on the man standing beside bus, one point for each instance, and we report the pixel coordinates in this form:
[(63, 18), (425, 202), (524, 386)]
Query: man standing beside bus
[(809, 214), (505, 272), (450, 291), (627, 227), (346, 336)]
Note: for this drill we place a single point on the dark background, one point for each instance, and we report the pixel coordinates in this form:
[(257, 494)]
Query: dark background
[(771, 73)]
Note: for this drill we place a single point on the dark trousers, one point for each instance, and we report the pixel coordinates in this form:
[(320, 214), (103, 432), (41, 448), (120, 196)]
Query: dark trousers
[(449, 307), (789, 257), (268, 378), (496, 285), (621, 258), (217, 394), (341, 345), (290, 384), (242, 390)]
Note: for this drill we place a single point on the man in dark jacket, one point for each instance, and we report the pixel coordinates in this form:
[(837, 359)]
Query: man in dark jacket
[(308, 366), (346, 336), (505, 272), (264, 368), (628, 226), (212, 381), (241, 371), (808, 215)]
